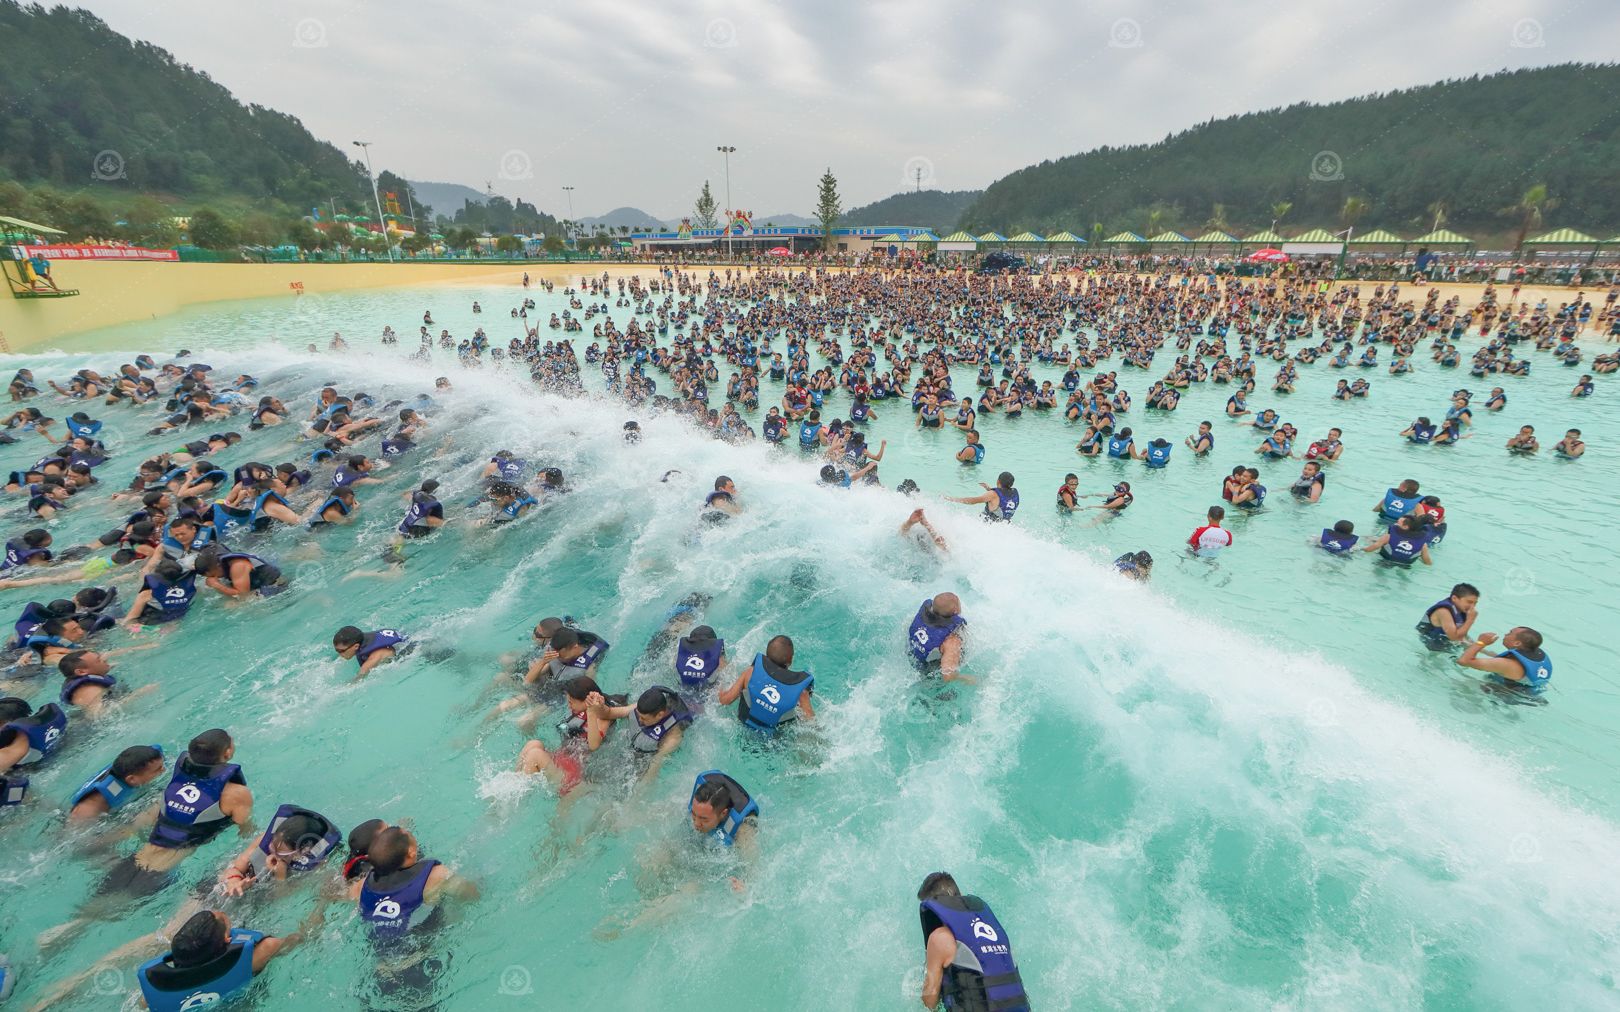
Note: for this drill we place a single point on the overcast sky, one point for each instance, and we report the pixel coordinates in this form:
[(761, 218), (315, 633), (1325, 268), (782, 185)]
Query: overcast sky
[(627, 101)]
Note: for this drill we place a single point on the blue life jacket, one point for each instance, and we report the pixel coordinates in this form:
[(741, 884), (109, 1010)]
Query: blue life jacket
[(1119, 446), (43, 730), (775, 429), (1402, 547), (859, 412), (422, 506), (514, 509), (696, 665), (1007, 503), (511, 469), (982, 975), (1258, 501), (1433, 634), (1337, 543), (1421, 433), (1396, 505), (321, 456), (772, 694), (926, 637), (112, 790), (809, 433), (743, 807), (172, 545), (168, 988), (1157, 455), (1537, 673), (650, 736), (381, 639), (309, 857), (393, 910), (396, 445), (191, 814), (83, 430), (978, 453), (170, 601), (74, 684), (320, 515), (33, 616), (18, 554)]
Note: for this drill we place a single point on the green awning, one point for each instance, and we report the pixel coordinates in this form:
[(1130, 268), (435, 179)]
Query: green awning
[(1377, 237), (891, 237), (992, 237), (1026, 237), (1265, 237), (1562, 237), (1442, 237), (1216, 236), (1169, 236), (1315, 235), (1125, 237), (960, 237), (924, 237), (30, 226), (1065, 237)]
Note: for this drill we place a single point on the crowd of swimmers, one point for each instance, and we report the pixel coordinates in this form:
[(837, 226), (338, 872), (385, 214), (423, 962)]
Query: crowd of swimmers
[(881, 337)]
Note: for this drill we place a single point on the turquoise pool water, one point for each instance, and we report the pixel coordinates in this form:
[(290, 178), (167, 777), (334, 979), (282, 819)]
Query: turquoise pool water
[(1245, 784)]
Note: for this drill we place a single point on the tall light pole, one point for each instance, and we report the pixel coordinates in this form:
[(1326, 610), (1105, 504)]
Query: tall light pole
[(727, 151), (572, 224), (382, 224)]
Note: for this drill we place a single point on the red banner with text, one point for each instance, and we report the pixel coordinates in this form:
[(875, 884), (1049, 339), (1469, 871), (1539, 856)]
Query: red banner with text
[(100, 253)]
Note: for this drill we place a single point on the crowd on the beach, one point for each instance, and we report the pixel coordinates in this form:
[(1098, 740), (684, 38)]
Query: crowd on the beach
[(805, 359)]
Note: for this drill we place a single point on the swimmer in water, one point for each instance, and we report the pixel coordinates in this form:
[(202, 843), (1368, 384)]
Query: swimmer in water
[(1000, 501), (1522, 666), (934, 641), (117, 784), (1447, 622), (369, 649), (919, 519), (721, 504), (967, 959)]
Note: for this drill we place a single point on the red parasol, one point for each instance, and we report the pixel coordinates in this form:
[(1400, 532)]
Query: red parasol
[(780, 251), (1268, 255)]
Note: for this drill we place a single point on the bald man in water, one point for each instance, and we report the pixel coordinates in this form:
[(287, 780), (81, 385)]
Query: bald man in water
[(935, 637)]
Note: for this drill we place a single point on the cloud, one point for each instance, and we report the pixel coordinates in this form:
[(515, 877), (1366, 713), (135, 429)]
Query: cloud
[(626, 100)]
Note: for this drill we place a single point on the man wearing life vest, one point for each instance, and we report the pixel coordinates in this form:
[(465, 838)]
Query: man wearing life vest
[(1522, 665), (769, 693), (210, 962), (968, 961)]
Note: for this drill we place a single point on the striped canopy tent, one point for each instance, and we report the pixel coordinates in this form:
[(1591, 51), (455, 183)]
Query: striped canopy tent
[(894, 238), (1264, 237), (1169, 237), (1314, 235), (1066, 237), (1215, 237), (1125, 239), (960, 242), (1026, 238), (991, 237), (922, 238), (1612, 242), (1563, 237), (1442, 237), (1377, 237)]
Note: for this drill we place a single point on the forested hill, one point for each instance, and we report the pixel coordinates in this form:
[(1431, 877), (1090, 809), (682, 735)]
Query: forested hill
[(82, 105), (1467, 148), (937, 209)]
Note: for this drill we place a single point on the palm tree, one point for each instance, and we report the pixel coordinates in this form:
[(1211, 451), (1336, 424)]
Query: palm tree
[(1217, 219), (1279, 210), (1529, 210), (1155, 216), (1098, 231), (1438, 209), (1351, 212)]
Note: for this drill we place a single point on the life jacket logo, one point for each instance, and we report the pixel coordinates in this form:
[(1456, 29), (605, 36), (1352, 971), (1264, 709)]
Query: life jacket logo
[(175, 593), (770, 694), (190, 794), (694, 663), (202, 999), (53, 733), (386, 910), (985, 931)]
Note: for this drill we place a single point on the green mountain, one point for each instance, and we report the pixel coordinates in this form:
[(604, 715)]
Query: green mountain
[(89, 110), (937, 209), (1471, 148)]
